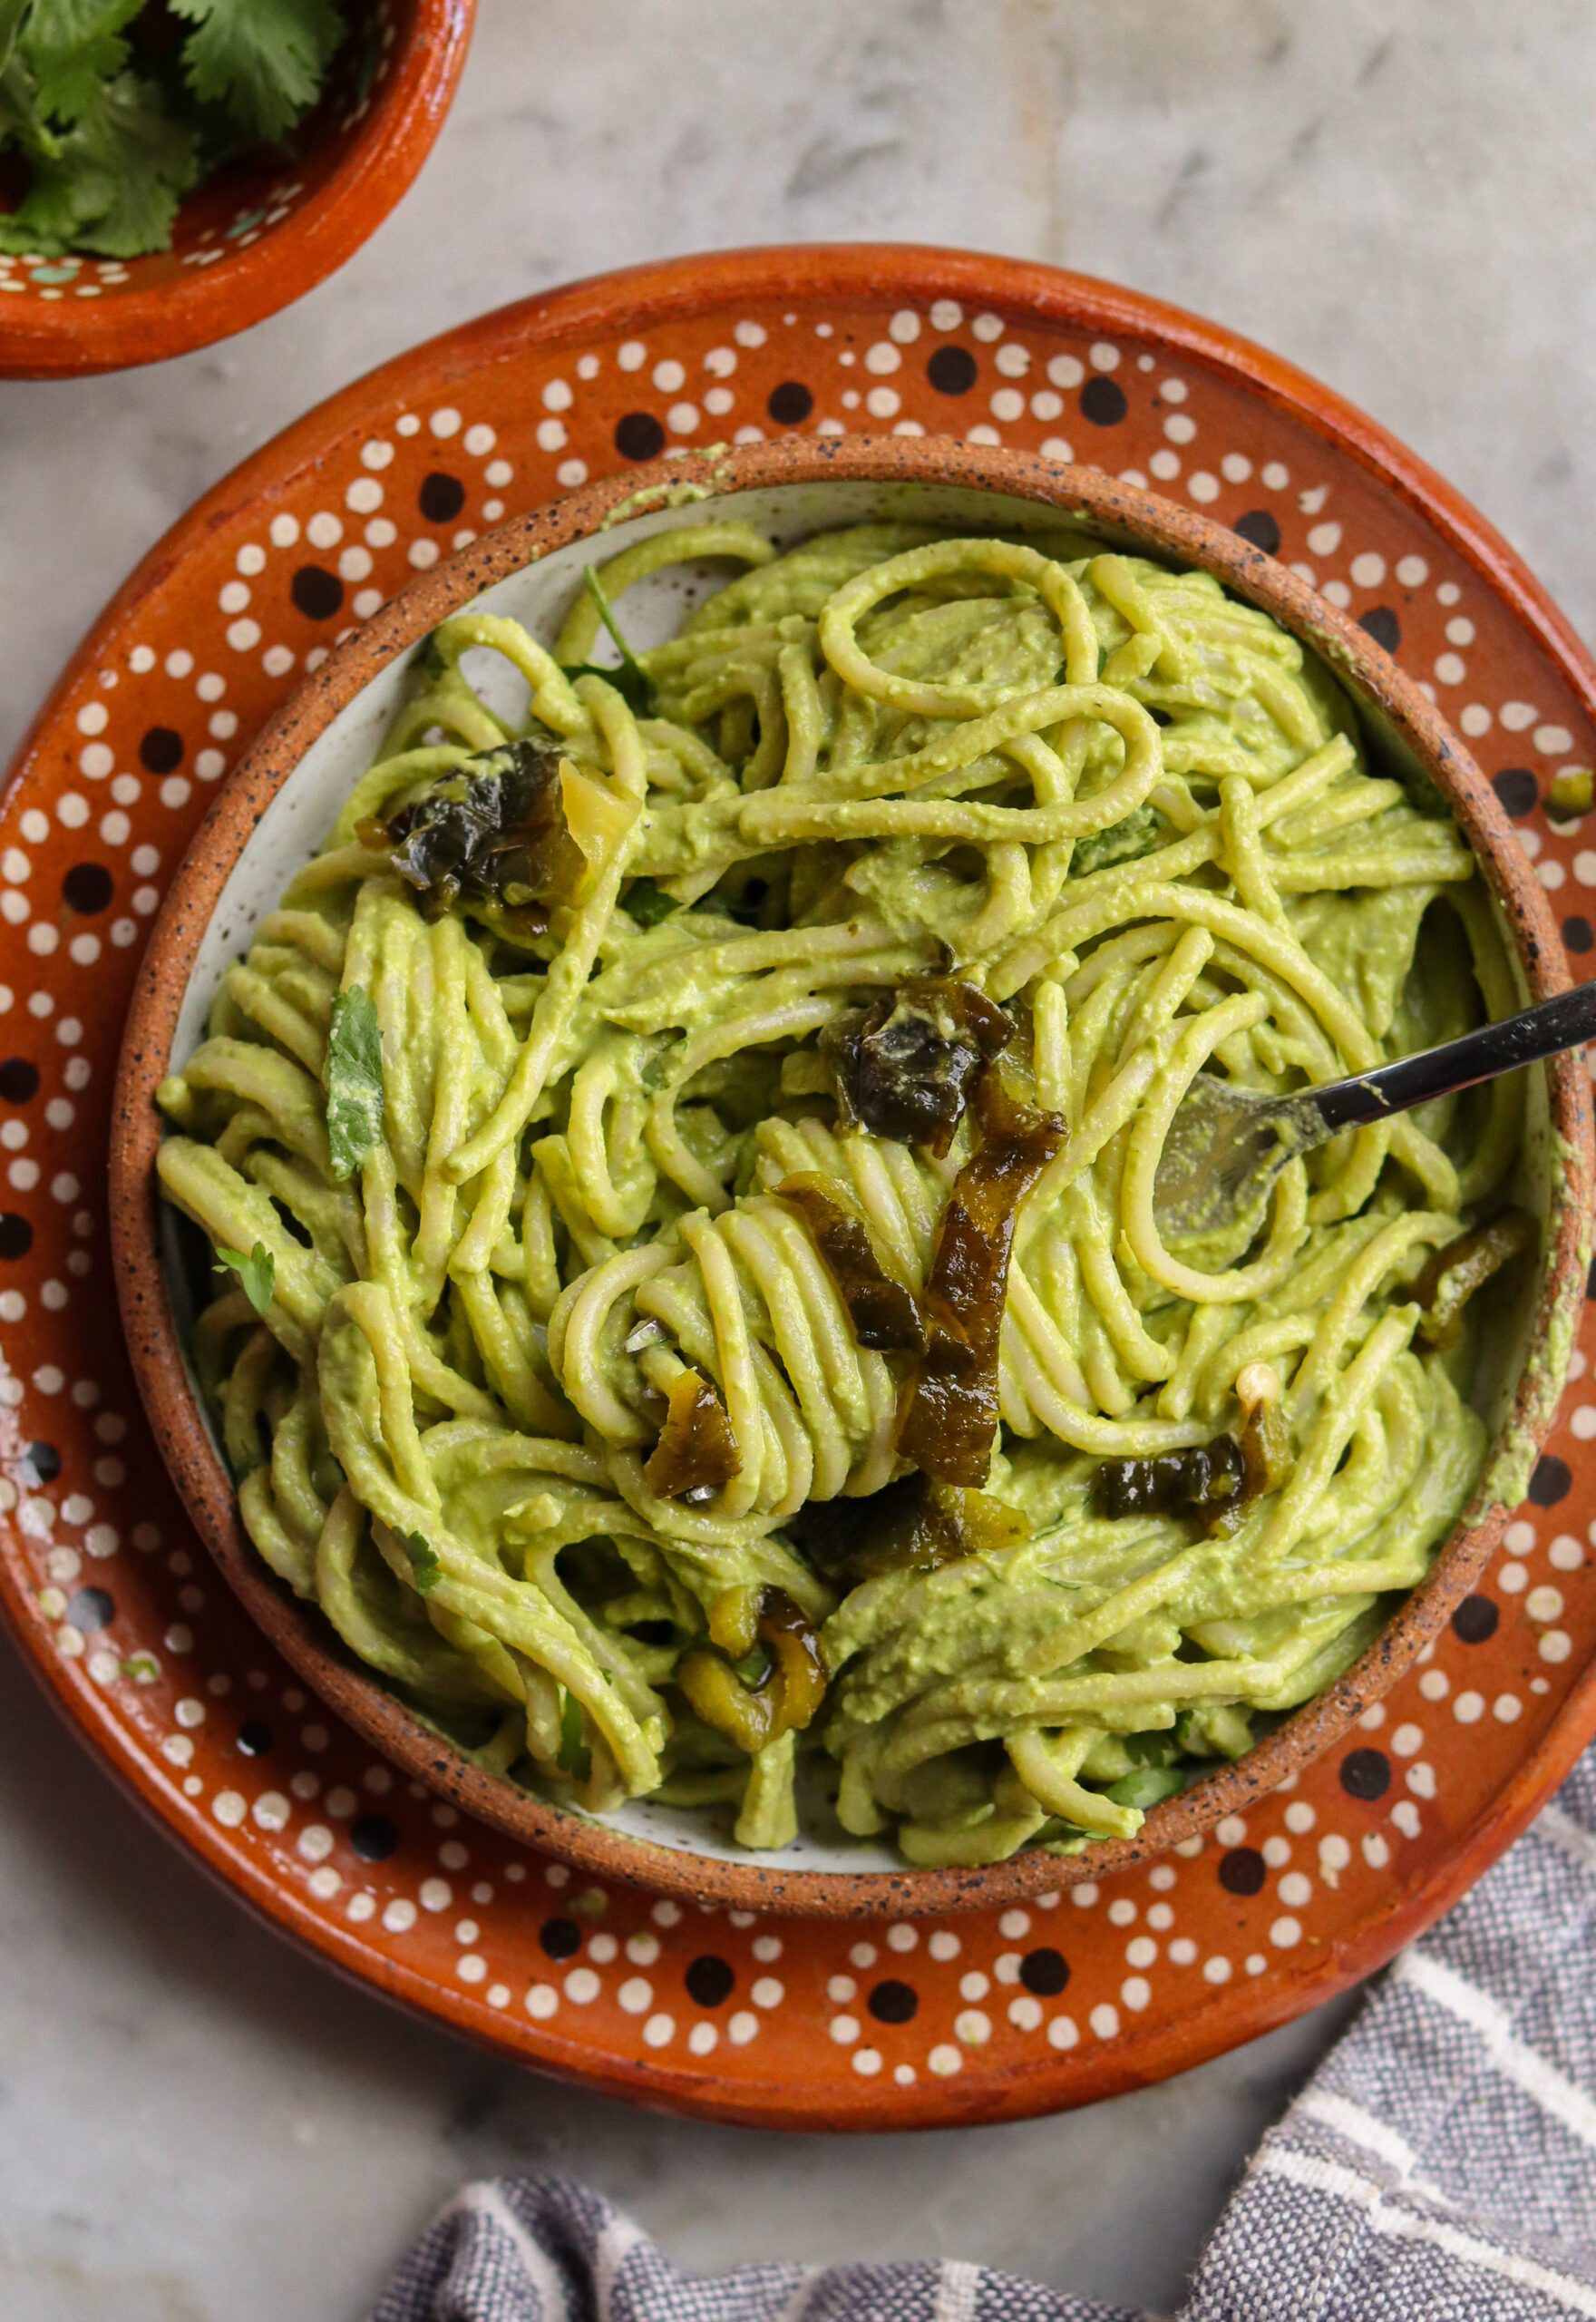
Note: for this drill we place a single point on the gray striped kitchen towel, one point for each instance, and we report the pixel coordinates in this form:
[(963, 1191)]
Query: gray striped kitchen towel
[(1441, 2164)]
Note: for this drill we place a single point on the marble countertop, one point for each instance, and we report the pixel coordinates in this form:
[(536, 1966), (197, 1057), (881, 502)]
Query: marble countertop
[(195, 2122)]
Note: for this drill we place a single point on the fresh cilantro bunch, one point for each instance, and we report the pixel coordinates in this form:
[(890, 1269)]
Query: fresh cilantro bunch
[(113, 110)]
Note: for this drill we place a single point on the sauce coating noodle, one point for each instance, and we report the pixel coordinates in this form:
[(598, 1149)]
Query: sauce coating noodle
[(553, 1365)]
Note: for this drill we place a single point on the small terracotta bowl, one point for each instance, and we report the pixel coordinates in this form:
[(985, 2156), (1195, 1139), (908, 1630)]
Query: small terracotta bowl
[(260, 233), (272, 815)]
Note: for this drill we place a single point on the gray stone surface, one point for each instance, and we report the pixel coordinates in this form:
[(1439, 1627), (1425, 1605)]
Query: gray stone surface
[(197, 2125)]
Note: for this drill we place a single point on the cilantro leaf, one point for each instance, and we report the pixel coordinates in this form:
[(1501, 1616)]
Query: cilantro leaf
[(257, 1273), (353, 1080), (73, 48), (19, 117), (150, 162), (11, 13), (65, 193), (108, 152), (648, 903), (575, 1758), (423, 1562), (111, 182), (1145, 1785), (263, 61), (631, 680), (1124, 842)]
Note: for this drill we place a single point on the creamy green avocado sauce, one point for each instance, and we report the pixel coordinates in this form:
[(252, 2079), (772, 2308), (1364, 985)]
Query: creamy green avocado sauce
[(698, 1322)]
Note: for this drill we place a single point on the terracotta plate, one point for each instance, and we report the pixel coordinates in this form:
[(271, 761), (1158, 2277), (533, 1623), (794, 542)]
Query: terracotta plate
[(777, 2020)]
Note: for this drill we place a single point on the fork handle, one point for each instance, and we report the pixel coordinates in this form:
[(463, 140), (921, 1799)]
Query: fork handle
[(1565, 1021)]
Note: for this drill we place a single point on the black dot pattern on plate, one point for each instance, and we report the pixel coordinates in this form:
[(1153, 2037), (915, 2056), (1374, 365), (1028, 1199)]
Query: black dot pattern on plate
[(87, 888), (317, 593), (1475, 1619), (160, 750), (1551, 1480), (19, 1080), (1366, 1774), (709, 1980), (1103, 402), (41, 1463), (1382, 624), (16, 1236), (1578, 933), (372, 1837), (892, 2002), (790, 403), (953, 370), (254, 1740), (88, 1609), (560, 1938), (1515, 786), (440, 498), (1241, 1871), (1260, 526), (1044, 1972), (639, 436)]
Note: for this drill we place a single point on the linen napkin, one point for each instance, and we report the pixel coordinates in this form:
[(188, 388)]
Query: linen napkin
[(1441, 2163)]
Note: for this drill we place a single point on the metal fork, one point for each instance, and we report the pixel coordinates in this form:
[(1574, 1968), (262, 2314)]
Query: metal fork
[(1226, 1146)]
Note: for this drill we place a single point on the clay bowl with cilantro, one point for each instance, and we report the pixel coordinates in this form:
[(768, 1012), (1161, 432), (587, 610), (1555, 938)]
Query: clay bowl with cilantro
[(174, 170), (272, 815)]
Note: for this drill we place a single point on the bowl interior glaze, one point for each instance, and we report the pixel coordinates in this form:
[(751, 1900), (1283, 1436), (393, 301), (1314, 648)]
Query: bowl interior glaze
[(273, 815)]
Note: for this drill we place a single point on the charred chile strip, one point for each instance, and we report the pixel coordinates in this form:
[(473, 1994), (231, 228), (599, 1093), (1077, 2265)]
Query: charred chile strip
[(790, 1638), (950, 1420), (911, 1525), (1454, 1272), (905, 1068), (785, 1697), (1266, 1462), (1173, 1483), (697, 1451), (882, 1309), (492, 835)]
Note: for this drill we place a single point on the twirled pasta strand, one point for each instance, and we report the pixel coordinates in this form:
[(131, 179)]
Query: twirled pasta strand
[(1116, 801)]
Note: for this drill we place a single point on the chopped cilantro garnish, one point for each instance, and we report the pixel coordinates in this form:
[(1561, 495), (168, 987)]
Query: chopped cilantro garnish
[(575, 1758), (1122, 842), (257, 1273), (648, 903), (1145, 1785), (354, 1081), (631, 680), (425, 1564)]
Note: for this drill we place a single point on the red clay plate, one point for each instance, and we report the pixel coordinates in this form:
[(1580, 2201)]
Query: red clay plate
[(783, 2022)]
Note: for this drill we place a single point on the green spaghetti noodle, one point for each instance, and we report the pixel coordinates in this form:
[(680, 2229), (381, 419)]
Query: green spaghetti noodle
[(695, 1143)]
